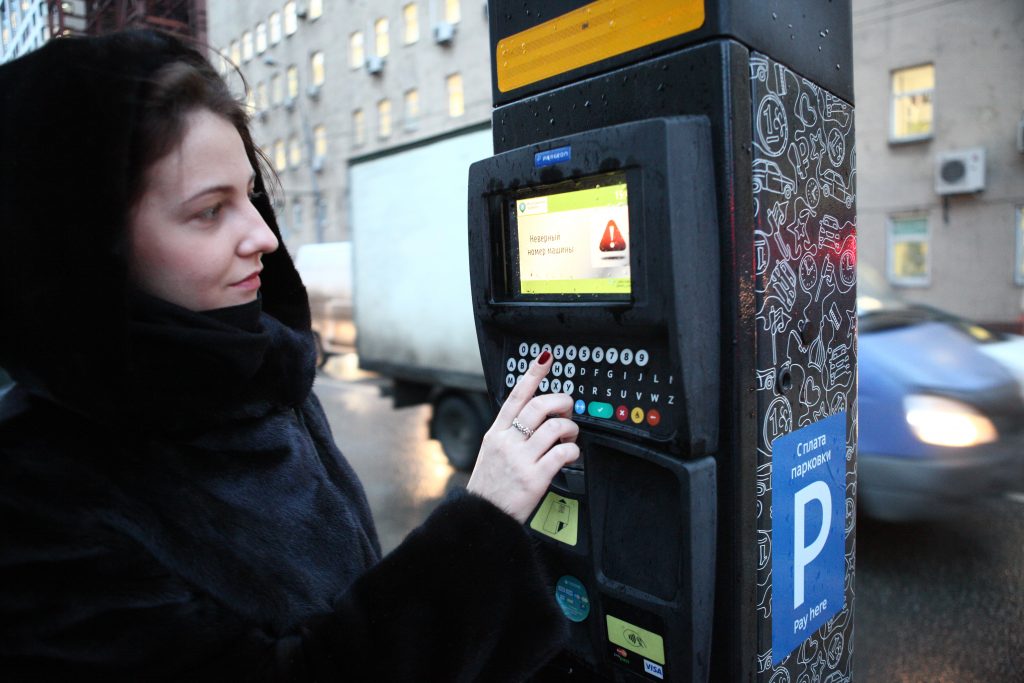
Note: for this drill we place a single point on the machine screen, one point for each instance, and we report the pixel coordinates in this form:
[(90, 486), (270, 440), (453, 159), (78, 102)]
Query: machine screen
[(576, 242)]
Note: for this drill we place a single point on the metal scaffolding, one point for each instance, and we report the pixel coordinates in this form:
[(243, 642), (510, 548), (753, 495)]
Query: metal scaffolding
[(185, 18)]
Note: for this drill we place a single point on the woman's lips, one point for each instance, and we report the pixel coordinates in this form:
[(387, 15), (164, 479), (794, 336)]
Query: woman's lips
[(250, 283)]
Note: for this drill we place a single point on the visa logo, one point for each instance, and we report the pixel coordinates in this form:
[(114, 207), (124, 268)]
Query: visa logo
[(654, 669)]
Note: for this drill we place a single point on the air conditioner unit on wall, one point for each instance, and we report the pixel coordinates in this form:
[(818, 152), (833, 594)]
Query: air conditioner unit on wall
[(960, 171), (444, 33), (374, 65)]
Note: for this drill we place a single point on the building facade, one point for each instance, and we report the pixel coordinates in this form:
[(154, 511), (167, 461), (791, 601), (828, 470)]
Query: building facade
[(27, 24), (940, 158), (330, 81)]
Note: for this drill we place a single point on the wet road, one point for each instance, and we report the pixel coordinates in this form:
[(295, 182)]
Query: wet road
[(940, 602)]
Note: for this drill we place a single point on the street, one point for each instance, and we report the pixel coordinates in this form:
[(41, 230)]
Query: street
[(940, 602)]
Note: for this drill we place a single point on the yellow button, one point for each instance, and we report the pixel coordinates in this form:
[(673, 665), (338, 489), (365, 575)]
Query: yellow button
[(637, 416)]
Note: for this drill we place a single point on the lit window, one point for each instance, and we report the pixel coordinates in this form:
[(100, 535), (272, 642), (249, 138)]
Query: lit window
[(320, 141), (358, 127), (247, 46), (383, 41), (291, 18), (275, 28), (294, 151), (236, 53), (250, 100), (261, 38), (276, 91), (1019, 271), (356, 50), (280, 158), (412, 107), (316, 9), (224, 62), (912, 106), (316, 66), (452, 11), (384, 118), (261, 96), (411, 17), (908, 250), (293, 82), (456, 98)]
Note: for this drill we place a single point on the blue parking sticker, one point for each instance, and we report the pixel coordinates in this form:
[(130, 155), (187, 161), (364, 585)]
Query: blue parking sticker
[(808, 531)]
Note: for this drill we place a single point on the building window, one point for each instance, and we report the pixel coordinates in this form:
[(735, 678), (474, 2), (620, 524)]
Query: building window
[(382, 40), (412, 107), (280, 158), (912, 106), (261, 96), (356, 50), (224, 62), (316, 9), (452, 11), (1018, 275), (236, 53), (320, 141), (276, 91), (384, 119), (250, 100), (316, 66), (261, 38), (297, 215), (294, 151), (411, 17), (293, 82), (291, 18), (909, 262), (275, 28), (247, 46), (456, 98), (358, 127)]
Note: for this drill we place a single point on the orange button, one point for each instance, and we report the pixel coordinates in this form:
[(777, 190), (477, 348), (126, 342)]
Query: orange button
[(653, 417), (637, 415)]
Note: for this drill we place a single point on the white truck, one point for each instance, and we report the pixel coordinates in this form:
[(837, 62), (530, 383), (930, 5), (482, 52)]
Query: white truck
[(412, 308)]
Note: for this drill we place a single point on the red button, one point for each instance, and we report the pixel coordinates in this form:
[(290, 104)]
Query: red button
[(622, 413), (653, 417)]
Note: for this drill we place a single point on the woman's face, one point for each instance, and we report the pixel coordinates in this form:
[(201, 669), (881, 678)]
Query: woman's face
[(196, 238)]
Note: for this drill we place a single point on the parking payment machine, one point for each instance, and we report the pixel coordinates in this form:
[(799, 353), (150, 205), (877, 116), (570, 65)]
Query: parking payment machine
[(610, 268), (670, 213)]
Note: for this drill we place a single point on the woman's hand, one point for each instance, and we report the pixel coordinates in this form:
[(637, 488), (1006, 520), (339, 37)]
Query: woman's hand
[(529, 442)]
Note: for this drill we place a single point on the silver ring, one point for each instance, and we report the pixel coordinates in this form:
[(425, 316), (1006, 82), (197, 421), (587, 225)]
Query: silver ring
[(521, 428)]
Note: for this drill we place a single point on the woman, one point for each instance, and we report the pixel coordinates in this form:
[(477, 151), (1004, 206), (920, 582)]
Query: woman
[(173, 503)]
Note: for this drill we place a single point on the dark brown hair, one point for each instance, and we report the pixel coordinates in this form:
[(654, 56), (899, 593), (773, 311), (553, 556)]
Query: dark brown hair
[(173, 92)]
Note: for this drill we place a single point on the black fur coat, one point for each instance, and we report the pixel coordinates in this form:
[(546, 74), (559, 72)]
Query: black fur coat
[(172, 504)]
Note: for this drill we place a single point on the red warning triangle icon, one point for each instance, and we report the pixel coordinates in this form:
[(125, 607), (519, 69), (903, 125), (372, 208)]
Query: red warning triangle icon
[(612, 240)]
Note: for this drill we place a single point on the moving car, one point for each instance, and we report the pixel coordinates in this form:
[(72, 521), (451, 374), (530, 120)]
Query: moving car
[(941, 421)]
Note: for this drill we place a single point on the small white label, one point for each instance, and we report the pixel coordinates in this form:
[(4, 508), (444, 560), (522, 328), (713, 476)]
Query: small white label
[(654, 669)]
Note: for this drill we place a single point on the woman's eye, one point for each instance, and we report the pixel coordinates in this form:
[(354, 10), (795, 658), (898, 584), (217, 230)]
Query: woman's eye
[(210, 213)]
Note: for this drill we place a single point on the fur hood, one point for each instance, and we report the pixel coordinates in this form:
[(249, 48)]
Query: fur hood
[(67, 114)]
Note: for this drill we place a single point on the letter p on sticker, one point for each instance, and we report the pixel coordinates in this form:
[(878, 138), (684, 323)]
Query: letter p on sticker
[(803, 555)]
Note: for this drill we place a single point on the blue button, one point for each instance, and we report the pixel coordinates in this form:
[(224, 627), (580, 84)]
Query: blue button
[(581, 407), (598, 409)]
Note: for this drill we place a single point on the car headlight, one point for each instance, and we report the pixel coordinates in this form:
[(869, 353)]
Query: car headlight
[(945, 422)]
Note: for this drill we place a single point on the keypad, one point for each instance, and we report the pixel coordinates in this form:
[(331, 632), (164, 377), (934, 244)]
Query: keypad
[(611, 384)]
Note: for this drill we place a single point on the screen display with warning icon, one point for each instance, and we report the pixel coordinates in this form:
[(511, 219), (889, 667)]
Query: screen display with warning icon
[(575, 242)]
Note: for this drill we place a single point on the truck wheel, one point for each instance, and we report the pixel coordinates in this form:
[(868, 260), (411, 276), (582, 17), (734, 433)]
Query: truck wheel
[(321, 357), (460, 428)]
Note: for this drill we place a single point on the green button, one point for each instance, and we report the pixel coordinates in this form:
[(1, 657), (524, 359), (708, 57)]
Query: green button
[(598, 409)]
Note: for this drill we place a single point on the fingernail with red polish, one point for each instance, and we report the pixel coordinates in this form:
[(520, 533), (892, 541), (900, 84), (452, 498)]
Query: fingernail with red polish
[(544, 358)]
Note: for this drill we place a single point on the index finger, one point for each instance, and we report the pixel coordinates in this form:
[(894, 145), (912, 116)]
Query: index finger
[(524, 390)]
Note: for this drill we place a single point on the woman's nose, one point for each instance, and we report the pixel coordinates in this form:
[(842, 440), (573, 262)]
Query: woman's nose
[(258, 237)]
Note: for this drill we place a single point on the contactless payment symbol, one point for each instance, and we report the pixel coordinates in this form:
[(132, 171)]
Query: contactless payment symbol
[(612, 239)]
